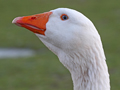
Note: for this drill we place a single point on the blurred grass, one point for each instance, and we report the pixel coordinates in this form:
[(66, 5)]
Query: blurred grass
[(44, 71)]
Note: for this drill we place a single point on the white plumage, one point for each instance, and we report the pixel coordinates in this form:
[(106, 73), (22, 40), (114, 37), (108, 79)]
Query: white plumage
[(76, 42)]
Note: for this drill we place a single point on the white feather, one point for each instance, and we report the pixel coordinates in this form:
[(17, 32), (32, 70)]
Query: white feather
[(78, 46)]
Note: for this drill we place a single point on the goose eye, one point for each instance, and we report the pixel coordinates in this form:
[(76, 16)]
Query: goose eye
[(64, 17)]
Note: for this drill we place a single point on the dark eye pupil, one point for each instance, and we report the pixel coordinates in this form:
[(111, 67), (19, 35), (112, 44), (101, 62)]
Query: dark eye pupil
[(64, 17)]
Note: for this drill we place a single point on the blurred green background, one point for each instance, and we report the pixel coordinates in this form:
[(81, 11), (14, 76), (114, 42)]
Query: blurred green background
[(44, 71)]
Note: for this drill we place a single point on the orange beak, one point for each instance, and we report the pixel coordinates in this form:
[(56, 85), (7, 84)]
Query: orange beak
[(35, 23)]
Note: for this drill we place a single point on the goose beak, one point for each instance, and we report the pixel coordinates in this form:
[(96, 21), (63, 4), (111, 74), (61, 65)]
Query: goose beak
[(35, 23)]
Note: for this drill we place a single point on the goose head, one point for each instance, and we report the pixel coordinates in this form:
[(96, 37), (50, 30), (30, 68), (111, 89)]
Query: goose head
[(62, 30), (76, 42)]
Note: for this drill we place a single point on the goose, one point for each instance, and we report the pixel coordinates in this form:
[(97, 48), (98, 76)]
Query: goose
[(74, 39)]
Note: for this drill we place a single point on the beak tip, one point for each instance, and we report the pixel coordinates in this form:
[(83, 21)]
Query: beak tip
[(16, 19)]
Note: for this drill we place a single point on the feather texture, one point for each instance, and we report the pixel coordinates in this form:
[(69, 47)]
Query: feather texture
[(76, 42)]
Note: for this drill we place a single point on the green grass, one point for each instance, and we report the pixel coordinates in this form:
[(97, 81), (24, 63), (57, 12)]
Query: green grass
[(44, 71), (35, 73)]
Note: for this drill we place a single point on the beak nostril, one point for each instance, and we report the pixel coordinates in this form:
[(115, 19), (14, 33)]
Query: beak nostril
[(33, 17)]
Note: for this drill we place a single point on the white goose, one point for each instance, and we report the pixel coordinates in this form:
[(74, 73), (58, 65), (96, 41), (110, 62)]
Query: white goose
[(76, 42)]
